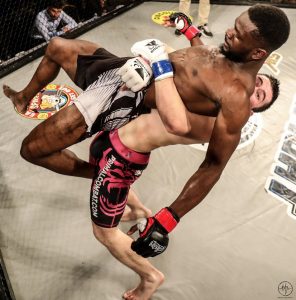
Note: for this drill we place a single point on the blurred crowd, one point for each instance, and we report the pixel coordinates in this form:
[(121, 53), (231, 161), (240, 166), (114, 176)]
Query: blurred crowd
[(25, 24)]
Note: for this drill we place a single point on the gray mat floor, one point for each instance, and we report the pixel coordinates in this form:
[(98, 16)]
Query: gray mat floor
[(239, 243)]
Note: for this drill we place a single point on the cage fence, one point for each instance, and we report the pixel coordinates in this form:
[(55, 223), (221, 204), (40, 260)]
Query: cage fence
[(19, 42)]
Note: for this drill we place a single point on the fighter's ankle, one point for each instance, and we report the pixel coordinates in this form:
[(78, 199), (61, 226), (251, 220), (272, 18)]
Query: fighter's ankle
[(23, 96), (154, 276)]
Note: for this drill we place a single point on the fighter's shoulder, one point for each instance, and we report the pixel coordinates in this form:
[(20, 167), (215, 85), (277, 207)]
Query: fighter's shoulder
[(235, 95), (236, 87), (235, 106), (196, 48), (203, 48)]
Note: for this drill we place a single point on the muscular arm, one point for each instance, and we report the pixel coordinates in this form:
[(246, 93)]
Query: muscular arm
[(223, 142), (171, 108), (153, 232)]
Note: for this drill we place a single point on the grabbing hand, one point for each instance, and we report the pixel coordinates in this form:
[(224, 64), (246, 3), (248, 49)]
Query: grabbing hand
[(153, 233), (135, 73), (151, 49), (154, 51)]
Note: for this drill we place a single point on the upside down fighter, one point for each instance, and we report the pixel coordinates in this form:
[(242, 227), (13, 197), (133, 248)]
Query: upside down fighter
[(229, 98)]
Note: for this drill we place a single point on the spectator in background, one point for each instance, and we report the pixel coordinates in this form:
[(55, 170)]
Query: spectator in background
[(52, 21), (203, 15)]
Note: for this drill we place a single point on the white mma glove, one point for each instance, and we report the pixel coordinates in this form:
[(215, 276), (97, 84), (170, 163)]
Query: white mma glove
[(135, 73), (154, 51)]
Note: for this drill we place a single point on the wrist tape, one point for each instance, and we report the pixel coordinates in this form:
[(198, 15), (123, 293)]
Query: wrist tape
[(162, 69), (167, 218), (192, 32)]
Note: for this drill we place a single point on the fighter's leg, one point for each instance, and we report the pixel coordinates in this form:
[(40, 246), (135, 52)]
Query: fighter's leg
[(184, 6), (60, 53), (135, 208), (119, 245), (46, 145)]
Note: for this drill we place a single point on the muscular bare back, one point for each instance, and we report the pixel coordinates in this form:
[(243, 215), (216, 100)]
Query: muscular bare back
[(147, 132), (202, 76)]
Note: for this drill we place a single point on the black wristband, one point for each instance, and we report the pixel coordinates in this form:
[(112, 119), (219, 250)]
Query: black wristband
[(176, 217)]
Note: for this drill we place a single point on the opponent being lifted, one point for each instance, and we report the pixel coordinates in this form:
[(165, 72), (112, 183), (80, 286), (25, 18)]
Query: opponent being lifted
[(220, 82), (130, 146), (215, 82)]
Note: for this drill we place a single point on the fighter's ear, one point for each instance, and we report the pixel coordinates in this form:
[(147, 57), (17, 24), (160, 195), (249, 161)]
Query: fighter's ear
[(259, 53)]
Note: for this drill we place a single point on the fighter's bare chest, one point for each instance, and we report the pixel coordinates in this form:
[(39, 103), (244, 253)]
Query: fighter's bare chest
[(200, 84)]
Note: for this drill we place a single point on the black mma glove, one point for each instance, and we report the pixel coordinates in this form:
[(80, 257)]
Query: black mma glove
[(184, 25), (153, 233)]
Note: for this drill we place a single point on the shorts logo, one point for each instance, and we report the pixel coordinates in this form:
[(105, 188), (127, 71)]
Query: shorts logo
[(249, 133), (282, 183), (98, 183), (138, 173)]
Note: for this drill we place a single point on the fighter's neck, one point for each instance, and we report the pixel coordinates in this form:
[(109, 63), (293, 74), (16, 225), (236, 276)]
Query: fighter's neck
[(251, 67)]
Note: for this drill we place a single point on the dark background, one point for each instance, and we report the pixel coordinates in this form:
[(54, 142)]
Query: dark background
[(17, 20)]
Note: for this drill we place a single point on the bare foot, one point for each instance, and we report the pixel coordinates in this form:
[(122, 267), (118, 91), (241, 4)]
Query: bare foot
[(135, 213), (16, 98), (146, 288)]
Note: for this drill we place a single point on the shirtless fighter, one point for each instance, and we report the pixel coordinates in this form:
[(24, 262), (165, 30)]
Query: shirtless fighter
[(213, 82), (105, 105), (233, 66), (245, 42), (127, 156), (119, 157), (46, 144)]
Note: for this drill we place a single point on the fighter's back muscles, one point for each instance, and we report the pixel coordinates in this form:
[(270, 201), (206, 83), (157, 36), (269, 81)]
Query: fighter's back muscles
[(147, 132)]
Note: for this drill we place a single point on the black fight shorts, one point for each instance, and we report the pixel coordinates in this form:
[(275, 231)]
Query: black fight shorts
[(89, 67), (104, 104)]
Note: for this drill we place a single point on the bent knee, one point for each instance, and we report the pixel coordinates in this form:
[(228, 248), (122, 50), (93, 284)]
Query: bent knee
[(103, 235), (55, 45), (26, 150)]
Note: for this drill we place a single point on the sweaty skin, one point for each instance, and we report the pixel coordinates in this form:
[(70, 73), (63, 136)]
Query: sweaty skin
[(211, 84), (197, 67), (143, 134), (147, 132), (219, 88)]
